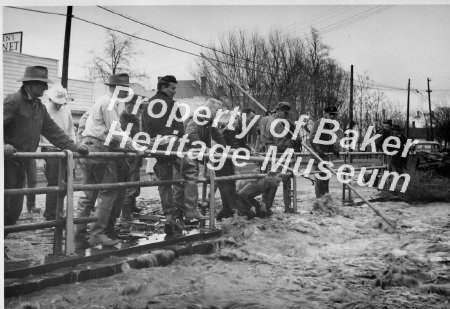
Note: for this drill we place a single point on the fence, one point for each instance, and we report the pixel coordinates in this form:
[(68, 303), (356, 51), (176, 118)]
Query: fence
[(67, 188)]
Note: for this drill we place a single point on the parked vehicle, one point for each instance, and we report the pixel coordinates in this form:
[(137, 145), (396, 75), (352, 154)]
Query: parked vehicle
[(428, 147)]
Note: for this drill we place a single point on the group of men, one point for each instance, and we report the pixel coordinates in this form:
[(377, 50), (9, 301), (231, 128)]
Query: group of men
[(26, 118)]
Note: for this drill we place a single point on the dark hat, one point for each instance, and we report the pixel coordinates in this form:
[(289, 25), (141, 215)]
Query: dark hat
[(38, 73), (284, 106), (331, 110), (122, 79), (388, 121), (396, 127)]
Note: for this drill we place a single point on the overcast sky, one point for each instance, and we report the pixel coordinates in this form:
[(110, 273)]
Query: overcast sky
[(389, 43)]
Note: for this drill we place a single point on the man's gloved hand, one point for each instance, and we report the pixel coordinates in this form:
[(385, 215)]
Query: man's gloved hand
[(81, 149), (336, 153), (8, 151)]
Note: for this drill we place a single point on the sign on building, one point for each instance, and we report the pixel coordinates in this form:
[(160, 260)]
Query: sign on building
[(12, 42)]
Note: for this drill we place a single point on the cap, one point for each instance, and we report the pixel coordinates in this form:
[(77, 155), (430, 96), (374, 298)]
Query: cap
[(284, 106)]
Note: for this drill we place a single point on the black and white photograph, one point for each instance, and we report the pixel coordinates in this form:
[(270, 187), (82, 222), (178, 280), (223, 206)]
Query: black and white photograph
[(225, 154)]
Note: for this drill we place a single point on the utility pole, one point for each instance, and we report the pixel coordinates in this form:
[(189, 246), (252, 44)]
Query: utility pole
[(429, 107), (407, 110), (65, 66), (350, 109)]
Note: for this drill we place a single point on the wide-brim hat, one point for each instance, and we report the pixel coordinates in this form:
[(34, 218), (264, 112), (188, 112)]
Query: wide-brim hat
[(388, 121), (57, 94), (122, 79), (38, 73)]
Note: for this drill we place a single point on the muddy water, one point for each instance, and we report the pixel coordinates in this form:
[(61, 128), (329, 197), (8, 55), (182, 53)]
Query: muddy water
[(307, 260)]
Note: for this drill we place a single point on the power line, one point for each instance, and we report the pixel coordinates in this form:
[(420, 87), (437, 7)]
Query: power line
[(311, 18), (315, 23), (354, 19), (136, 37), (176, 36), (307, 22), (349, 20)]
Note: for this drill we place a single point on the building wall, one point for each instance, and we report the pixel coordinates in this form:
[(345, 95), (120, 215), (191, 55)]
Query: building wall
[(81, 93), (187, 89), (14, 65)]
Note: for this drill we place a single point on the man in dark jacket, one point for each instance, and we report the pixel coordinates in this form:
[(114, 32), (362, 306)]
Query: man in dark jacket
[(385, 132), (398, 162), (322, 186), (25, 118), (166, 165)]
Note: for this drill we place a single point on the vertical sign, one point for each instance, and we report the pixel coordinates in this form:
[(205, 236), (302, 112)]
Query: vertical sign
[(12, 42)]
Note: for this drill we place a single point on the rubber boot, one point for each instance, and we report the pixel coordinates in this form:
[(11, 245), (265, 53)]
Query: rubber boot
[(169, 225), (321, 187)]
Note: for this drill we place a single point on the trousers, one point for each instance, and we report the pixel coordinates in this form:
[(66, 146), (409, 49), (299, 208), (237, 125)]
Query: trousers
[(31, 182), (51, 172), (123, 175), (96, 171), (227, 189), (267, 187), (184, 196), (13, 178)]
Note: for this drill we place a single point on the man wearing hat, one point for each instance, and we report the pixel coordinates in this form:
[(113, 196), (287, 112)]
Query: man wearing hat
[(25, 118), (398, 162), (128, 169), (187, 196), (62, 116), (330, 112), (102, 170), (385, 132), (282, 143)]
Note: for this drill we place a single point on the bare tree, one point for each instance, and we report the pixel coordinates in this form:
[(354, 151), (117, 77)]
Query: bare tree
[(441, 123), (117, 57), (275, 68)]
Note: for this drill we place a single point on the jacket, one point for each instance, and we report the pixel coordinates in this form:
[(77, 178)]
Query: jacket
[(25, 119), (204, 133), (319, 148), (158, 126), (266, 137)]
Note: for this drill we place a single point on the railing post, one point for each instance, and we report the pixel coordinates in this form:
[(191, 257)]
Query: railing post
[(204, 190), (58, 235), (212, 205), (343, 184), (70, 247), (294, 189)]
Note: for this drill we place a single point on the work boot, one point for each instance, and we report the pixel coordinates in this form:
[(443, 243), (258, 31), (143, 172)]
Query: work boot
[(169, 225), (320, 187), (223, 214), (250, 214), (102, 239), (194, 214)]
